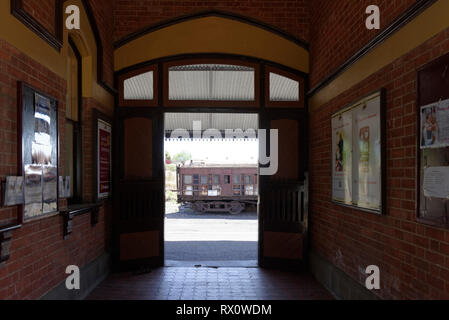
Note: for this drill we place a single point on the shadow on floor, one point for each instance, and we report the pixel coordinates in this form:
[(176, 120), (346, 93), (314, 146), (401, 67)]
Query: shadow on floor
[(211, 284)]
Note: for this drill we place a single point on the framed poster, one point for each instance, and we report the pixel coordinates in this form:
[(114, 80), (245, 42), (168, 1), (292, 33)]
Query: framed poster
[(38, 138), (358, 154), (103, 155), (432, 109)]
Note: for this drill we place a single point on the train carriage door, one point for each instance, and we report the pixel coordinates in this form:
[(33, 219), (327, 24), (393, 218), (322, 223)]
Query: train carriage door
[(284, 195), (139, 199)]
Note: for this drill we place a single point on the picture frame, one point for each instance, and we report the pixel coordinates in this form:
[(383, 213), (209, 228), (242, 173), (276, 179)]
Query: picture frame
[(38, 148)]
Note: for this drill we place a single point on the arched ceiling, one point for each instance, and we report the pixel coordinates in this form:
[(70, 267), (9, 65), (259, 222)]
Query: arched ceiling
[(213, 34)]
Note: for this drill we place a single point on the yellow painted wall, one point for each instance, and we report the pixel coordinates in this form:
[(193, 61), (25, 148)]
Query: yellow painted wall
[(25, 40), (212, 35), (429, 23)]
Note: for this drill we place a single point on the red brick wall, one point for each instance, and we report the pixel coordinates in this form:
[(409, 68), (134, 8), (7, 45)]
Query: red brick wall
[(290, 16), (39, 255), (337, 30), (43, 11), (413, 257)]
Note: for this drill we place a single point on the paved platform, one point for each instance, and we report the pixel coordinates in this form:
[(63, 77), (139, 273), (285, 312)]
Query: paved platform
[(179, 283), (220, 239)]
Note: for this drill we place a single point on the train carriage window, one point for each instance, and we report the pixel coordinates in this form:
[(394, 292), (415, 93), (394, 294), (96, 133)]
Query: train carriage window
[(188, 190), (196, 179), (237, 179), (236, 190), (216, 179), (203, 180), (248, 180), (187, 179), (227, 179)]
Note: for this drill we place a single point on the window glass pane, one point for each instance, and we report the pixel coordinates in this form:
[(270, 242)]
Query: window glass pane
[(247, 179), (216, 179), (139, 87), (196, 179), (227, 179), (236, 179), (203, 179), (283, 88), (213, 82), (187, 179)]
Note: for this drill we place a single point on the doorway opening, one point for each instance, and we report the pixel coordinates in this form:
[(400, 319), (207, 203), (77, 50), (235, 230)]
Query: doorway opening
[(212, 189)]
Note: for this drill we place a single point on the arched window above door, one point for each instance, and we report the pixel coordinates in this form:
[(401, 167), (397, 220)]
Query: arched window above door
[(139, 88), (212, 82)]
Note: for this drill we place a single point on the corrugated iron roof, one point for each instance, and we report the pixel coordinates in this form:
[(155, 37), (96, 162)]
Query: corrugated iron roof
[(211, 82), (283, 88), (139, 87), (219, 121)]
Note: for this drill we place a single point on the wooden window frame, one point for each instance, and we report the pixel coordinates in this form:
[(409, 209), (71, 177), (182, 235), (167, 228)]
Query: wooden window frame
[(77, 197), (211, 103), (139, 103), (53, 39)]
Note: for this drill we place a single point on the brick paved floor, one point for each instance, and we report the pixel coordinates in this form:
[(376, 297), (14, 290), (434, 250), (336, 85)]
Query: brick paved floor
[(178, 283)]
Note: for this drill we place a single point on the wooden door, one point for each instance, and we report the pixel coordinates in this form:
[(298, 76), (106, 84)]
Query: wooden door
[(284, 196), (139, 190)]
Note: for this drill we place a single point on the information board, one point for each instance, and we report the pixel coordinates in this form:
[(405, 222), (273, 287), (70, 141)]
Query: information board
[(357, 154)]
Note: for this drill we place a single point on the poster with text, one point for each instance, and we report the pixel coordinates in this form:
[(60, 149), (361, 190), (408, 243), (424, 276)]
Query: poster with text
[(435, 125), (367, 153), (104, 136), (342, 158)]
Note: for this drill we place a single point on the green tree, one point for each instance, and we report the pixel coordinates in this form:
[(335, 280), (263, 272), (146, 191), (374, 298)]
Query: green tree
[(167, 156), (182, 156)]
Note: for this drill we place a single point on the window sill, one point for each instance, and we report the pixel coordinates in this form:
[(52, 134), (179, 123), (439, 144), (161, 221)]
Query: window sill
[(78, 210), (5, 241)]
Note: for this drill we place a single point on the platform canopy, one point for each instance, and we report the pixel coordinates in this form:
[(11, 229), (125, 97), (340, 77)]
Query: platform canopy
[(211, 126)]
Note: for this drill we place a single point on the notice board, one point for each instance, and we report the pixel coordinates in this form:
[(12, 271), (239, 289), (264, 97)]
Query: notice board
[(433, 142), (358, 164), (38, 138)]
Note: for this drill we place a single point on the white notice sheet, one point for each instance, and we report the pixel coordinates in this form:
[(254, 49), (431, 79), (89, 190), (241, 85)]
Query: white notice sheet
[(436, 182)]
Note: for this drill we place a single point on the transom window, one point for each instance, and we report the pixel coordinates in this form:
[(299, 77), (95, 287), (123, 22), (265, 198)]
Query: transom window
[(139, 87), (211, 82), (283, 88)]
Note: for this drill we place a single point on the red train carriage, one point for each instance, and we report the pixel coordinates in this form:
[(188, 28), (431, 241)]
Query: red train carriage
[(217, 188)]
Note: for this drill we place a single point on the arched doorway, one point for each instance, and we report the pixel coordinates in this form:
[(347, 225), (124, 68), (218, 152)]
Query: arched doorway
[(276, 95)]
